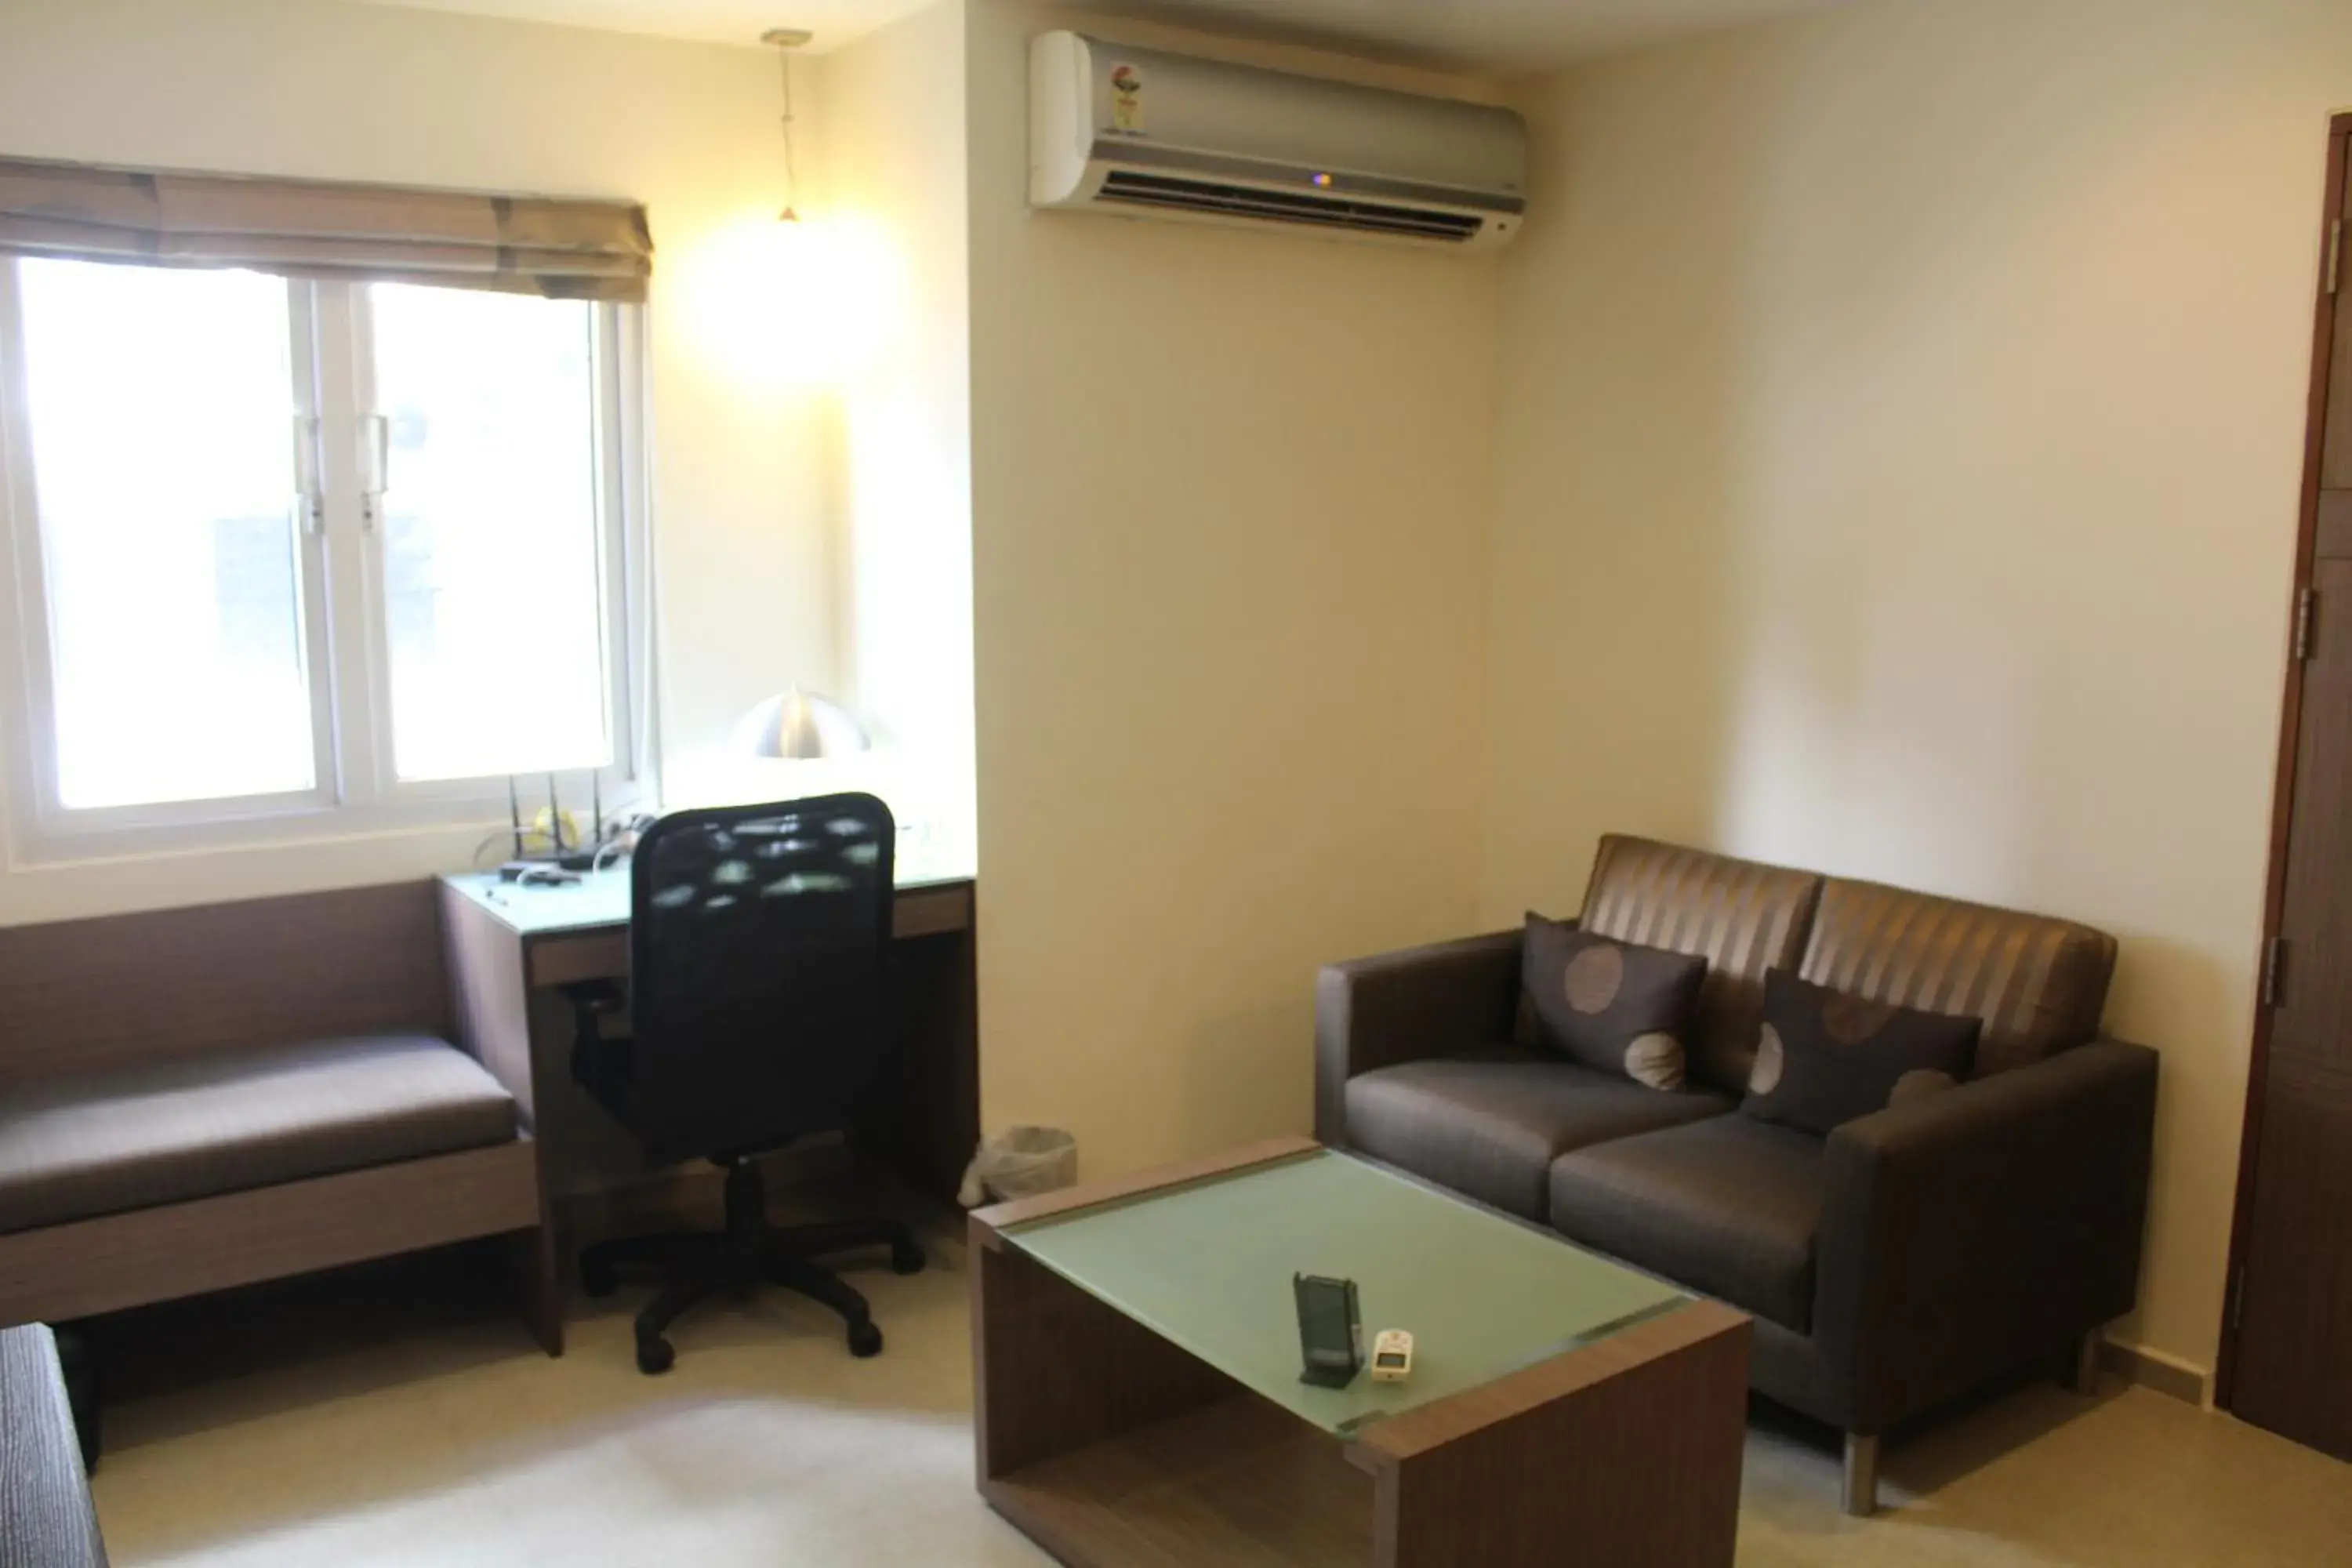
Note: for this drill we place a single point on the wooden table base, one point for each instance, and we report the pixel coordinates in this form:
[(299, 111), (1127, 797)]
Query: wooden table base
[(1112, 1448)]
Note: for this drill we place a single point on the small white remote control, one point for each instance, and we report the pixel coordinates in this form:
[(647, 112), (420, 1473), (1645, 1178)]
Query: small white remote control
[(1392, 1356)]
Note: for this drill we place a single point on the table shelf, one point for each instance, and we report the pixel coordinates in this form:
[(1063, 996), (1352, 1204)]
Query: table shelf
[(1239, 1483)]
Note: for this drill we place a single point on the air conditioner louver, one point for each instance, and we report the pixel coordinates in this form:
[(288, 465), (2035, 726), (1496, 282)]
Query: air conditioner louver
[(1125, 185)]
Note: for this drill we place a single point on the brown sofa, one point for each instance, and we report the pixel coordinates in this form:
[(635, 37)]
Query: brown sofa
[(1907, 1257)]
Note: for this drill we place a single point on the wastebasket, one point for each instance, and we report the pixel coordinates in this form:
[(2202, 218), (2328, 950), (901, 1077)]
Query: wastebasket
[(1020, 1163)]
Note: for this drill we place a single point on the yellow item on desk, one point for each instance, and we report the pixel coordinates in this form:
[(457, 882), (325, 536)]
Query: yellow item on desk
[(540, 837)]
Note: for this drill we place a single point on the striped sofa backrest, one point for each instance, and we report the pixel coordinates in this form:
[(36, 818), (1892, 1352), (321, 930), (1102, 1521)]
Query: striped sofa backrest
[(2039, 984), (1742, 917)]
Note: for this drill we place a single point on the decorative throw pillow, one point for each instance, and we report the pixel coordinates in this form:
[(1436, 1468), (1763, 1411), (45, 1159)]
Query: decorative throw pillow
[(1612, 1006), (1825, 1057)]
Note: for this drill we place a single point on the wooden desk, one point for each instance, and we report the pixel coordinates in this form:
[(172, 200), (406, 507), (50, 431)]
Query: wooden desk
[(511, 949)]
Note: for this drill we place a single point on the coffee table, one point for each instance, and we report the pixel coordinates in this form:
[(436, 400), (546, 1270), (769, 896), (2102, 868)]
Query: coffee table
[(1138, 1404)]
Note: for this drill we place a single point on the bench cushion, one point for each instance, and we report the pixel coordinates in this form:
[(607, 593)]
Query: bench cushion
[(83, 1145), (1490, 1123)]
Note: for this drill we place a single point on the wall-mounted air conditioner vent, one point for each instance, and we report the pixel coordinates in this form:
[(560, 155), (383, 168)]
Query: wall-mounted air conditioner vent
[(1169, 192), (1114, 129)]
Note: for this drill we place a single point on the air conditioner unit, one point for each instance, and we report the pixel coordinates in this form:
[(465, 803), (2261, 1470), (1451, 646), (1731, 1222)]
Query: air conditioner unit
[(1118, 129)]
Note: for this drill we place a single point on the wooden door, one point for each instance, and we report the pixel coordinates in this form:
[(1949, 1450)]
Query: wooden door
[(2288, 1347)]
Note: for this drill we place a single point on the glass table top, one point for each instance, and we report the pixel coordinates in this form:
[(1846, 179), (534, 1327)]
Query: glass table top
[(1208, 1264)]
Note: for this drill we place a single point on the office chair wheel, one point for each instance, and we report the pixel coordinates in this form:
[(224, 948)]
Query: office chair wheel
[(597, 1278), (654, 1356), (906, 1257), (864, 1340)]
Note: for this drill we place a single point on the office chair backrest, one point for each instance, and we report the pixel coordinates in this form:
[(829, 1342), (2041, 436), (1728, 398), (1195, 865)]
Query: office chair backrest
[(759, 947)]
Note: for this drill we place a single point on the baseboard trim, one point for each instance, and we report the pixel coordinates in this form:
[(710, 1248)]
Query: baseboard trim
[(2155, 1371)]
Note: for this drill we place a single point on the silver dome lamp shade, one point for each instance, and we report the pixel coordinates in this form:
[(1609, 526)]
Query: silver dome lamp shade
[(799, 726)]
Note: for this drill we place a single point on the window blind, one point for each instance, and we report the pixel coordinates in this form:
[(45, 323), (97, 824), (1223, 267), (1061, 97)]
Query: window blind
[(557, 247)]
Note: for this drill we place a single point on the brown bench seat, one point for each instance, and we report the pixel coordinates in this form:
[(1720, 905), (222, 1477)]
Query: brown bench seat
[(201, 1099), (82, 1145)]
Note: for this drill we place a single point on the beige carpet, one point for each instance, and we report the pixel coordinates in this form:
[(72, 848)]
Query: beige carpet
[(311, 1431)]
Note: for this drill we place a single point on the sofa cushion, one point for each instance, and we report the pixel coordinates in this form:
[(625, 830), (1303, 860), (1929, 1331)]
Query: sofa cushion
[(2038, 983), (1744, 919), (1615, 1006), (1827, 1058), (95, 1143), (1726, 1207), (1489, 1124)]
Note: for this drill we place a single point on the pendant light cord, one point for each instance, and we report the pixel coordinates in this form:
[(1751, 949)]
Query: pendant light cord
[(792, 173)]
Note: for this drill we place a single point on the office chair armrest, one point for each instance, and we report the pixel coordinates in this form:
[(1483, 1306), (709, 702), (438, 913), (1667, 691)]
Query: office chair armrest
[(597, 999), (600, 1056)]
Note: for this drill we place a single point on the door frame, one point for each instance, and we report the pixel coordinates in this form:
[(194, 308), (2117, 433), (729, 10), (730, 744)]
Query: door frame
[(2323, 353)]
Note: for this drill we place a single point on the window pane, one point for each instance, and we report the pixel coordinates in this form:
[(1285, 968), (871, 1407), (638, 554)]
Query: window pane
[(161, 410), (492, 543)]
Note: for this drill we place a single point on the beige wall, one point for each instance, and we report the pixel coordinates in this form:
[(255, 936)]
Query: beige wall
[(298, 87), (891, 106), (1900, 421), (1229, 492)]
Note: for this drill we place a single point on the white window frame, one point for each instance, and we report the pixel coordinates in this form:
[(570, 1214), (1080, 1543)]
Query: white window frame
[(346, 649)]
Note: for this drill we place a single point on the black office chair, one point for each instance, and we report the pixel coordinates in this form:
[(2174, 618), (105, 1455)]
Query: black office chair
[(757, 1013)]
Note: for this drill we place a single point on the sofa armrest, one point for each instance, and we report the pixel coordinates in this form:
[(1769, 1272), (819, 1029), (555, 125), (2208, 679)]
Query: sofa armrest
[(1403, 1007), (1965, 1233)]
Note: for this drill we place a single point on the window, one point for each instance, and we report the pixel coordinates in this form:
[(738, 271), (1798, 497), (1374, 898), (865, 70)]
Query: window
[(350, 553), (157, 405), (493, 553)]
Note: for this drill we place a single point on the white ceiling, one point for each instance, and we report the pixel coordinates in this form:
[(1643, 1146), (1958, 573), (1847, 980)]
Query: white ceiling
[(1508, 37), (834, 22)]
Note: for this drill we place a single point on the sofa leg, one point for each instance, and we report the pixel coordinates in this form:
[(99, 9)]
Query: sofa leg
[(2083, 1364), (1861, 1497)]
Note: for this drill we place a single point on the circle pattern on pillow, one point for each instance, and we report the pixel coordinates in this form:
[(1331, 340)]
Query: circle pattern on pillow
[(1593, 1000), (1920, 1082), (1655, 1060), (1771, 1057), (1824, 1058), (1592, 979), (1850, 1020)]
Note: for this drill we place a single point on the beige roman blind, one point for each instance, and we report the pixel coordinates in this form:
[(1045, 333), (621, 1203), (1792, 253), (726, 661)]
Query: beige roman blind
[(561, 249)]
